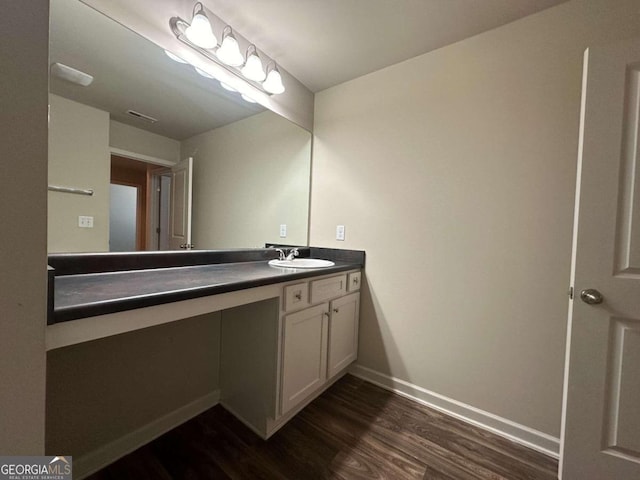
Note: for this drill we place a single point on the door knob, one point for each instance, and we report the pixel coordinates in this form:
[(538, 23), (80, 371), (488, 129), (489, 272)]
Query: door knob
[(591, 296)]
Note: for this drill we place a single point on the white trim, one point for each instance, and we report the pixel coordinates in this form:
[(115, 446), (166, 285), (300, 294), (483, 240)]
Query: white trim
[(141, 157), (574, 247), (101, 457), (534, 439)]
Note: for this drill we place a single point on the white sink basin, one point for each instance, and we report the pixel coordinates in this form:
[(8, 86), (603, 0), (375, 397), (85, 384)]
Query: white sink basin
[(301, 263)]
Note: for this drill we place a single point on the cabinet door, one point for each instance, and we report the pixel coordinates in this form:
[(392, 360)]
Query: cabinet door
[(304, 363), (343, 332)]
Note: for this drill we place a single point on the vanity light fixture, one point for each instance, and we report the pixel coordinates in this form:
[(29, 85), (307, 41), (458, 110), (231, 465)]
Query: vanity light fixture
[(253, 66), (247, 98), (273, 83), (200, 32), (250, 67), (229, 51)]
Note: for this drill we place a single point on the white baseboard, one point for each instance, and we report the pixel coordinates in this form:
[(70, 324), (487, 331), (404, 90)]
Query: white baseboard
[(516, 432), (93, 461)]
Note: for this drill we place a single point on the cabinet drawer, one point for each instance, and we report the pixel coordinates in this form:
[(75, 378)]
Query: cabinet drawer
[(296, 296), (327, 288), (353, 282)]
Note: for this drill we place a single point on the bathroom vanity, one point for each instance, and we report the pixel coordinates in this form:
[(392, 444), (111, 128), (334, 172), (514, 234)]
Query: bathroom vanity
[(286, 334), (276, 358)]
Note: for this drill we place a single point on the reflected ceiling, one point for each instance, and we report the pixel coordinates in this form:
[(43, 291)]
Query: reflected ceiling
[(132, 73)]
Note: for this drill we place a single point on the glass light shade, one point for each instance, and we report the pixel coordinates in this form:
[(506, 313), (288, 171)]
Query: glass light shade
[(203, 73), (247, 99), (174, 57), (229, 52), (226, 86), (253, 68), (200, 33), (273, 83)]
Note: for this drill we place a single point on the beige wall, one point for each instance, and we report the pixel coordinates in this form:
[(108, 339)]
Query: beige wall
[(100, 391), (80, 140), (79, 158), (455, 171), (138, 141), (23, 246), (249, 177)]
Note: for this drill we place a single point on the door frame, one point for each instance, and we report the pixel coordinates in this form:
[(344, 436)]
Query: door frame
[(154, 207), (151, 201)]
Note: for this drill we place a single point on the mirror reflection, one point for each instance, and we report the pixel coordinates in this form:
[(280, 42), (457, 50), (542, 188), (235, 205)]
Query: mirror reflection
[(170, 157)]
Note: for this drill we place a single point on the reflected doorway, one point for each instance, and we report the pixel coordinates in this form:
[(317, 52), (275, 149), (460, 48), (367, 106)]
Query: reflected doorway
[(140, 202)]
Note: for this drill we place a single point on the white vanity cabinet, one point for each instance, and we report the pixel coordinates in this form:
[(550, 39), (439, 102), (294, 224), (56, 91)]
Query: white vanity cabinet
[(318, 342), (316, 339), (343, 333)]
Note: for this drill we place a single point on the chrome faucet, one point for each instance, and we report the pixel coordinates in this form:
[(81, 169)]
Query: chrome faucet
[(293, 253)]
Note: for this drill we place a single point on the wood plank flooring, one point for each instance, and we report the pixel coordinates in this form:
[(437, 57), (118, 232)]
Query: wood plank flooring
[(355, 430)]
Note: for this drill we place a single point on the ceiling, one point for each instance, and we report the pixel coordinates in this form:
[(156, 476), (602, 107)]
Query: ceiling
[(327, 42), (321, 42)]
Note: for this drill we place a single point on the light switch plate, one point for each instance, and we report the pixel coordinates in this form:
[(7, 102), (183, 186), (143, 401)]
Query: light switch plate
[(283, 231), (340, 232), (85, 222)]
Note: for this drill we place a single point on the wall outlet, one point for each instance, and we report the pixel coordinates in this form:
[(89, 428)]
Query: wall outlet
[(85, 222), (283, 231), (340, 232)]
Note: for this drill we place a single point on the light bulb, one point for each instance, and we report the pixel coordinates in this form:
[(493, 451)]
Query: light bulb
[(273, 83), (199, 32), (253, 68), (229, 51)]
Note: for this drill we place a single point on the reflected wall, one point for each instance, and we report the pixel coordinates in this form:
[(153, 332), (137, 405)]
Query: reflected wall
[(251, 166)]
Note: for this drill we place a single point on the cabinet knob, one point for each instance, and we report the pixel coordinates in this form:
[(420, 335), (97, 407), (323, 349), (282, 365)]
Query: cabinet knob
[(298, 296), (327, 314), (336, 310)]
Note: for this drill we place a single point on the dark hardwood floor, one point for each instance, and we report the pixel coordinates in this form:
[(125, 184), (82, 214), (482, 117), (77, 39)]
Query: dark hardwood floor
[(355, 430)]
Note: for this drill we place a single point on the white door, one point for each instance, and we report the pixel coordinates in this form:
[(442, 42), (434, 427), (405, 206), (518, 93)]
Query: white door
[(601, 414), (180, 217)]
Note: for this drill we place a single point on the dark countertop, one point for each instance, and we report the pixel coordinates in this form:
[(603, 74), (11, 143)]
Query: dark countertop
[(86, 295)]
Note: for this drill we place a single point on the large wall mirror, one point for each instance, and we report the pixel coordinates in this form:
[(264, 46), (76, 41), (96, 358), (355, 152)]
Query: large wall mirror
[(251, 167)]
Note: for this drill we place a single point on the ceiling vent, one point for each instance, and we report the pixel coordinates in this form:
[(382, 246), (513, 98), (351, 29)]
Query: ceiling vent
[(142, 116)]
